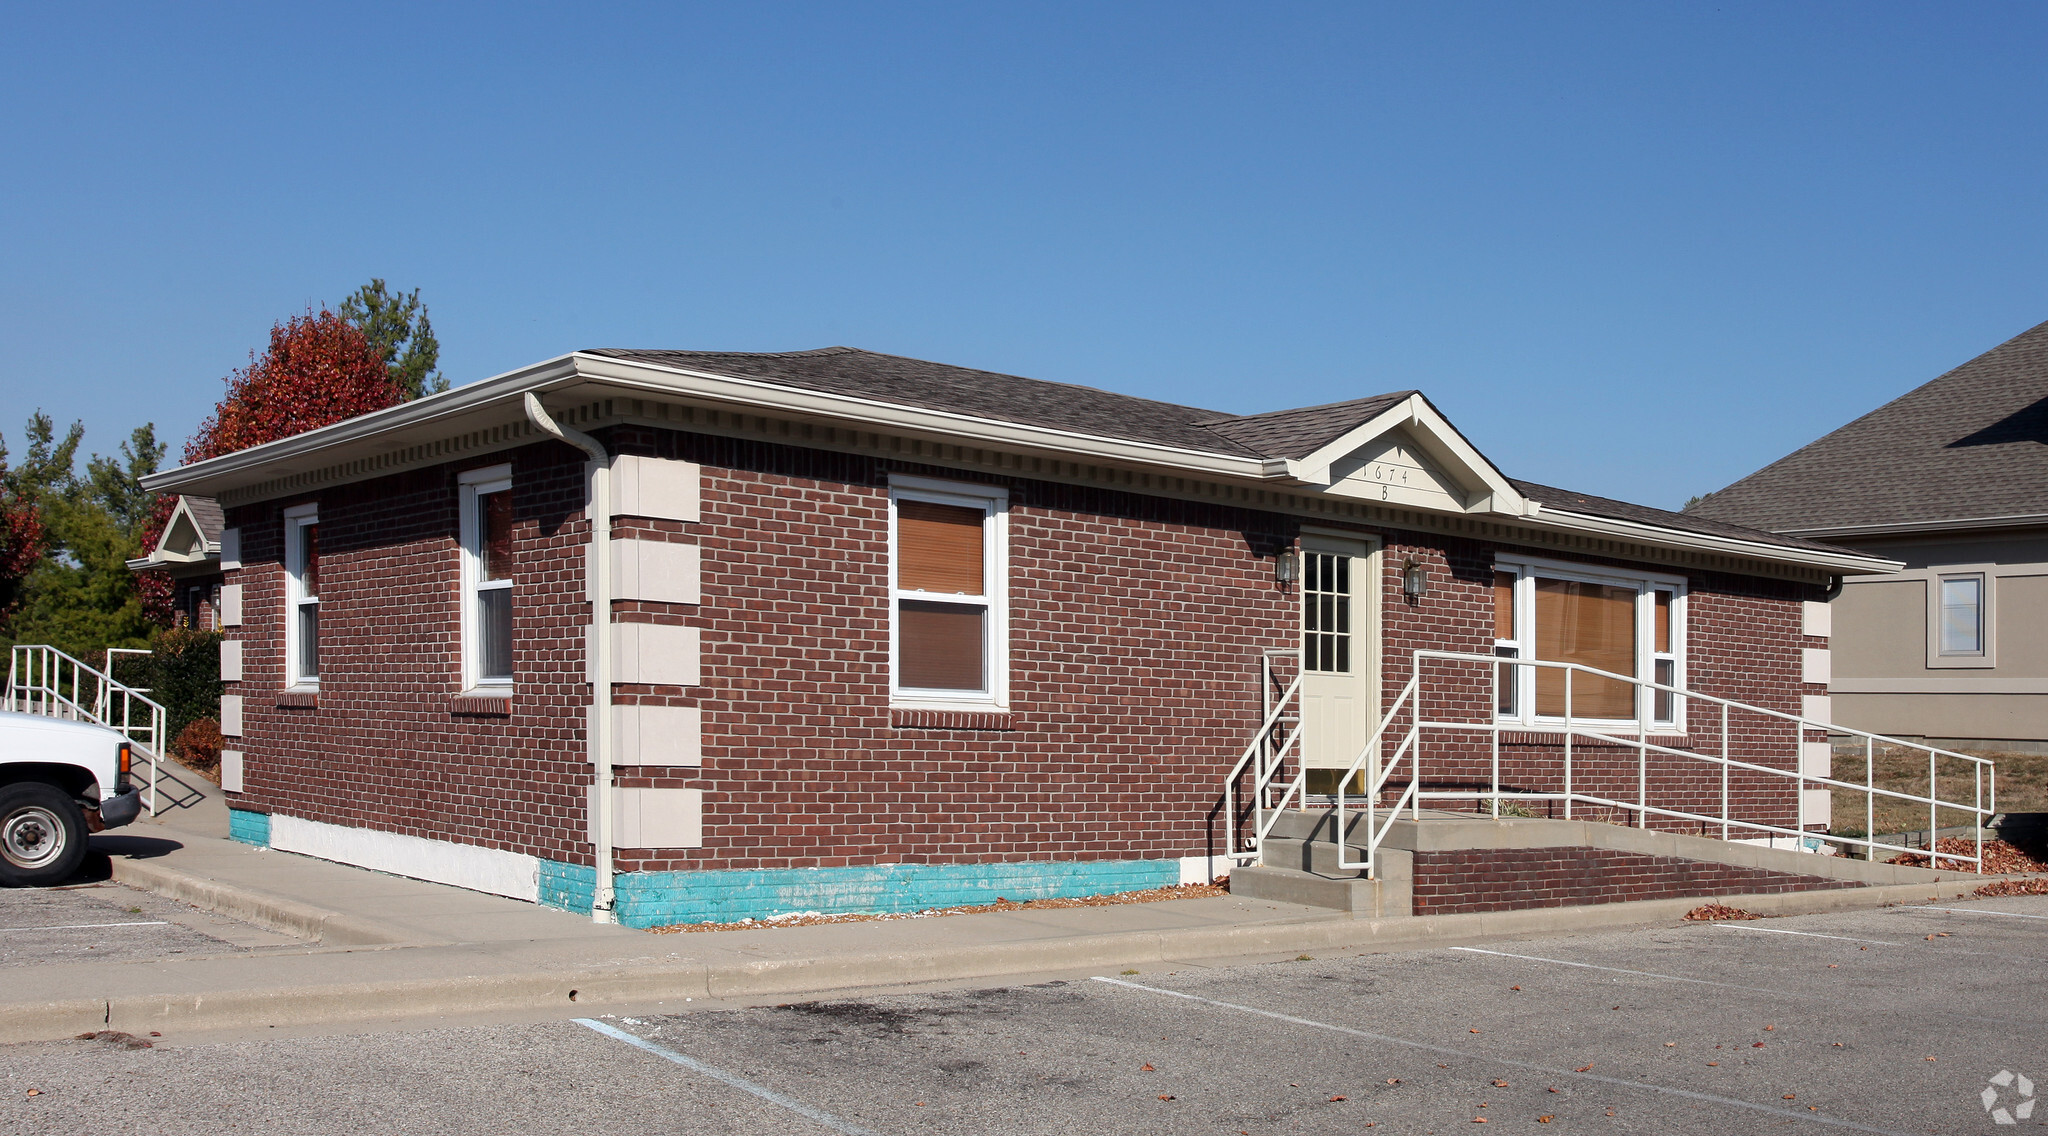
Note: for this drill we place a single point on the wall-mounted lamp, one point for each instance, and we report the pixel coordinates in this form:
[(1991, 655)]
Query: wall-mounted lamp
[(1287, 566), (1414, 579)]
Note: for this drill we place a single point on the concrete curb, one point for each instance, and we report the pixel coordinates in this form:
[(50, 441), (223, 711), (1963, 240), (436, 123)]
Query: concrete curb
[(272, 912), (798, 977)]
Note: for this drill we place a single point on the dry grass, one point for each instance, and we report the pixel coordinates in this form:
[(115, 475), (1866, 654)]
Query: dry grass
[(2022, 788), (813, 918)]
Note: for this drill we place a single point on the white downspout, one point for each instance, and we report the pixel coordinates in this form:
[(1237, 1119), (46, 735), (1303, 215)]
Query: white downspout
[(603, 898)]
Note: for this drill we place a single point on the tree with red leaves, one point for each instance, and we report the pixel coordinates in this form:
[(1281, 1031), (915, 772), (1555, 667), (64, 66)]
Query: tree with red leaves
[(23, 539), (319, 370)]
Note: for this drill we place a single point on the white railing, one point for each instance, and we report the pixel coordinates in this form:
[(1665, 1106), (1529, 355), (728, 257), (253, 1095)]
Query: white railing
[(43, 680), (1265, 756), (1609, 733)]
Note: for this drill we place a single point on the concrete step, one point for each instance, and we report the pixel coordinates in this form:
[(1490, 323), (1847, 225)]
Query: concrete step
[(1365, 899)]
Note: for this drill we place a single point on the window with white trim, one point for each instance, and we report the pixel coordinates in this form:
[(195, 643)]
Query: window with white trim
[(487, 578), (302, 595), (948, 565), (1961, 619), (1622, 622)]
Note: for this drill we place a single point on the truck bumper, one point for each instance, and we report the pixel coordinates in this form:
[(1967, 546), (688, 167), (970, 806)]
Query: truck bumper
[(121, 808)]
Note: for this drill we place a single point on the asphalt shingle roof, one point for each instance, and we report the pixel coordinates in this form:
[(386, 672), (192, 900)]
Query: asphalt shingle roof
[(1972, 443), (1293, 433)]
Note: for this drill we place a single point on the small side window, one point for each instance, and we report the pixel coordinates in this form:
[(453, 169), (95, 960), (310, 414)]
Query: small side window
[(302, 594), (487, 569)]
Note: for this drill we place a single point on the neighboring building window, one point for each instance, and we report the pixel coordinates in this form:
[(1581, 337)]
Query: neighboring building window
[(1615, 621), (1962, 615), (302, 594), (948, 563), (1326, 612), (487, 577)]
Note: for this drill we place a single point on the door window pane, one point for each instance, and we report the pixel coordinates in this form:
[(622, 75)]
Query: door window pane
[(1962, 616), (940, 646), (1326, 613), (1593, 625)]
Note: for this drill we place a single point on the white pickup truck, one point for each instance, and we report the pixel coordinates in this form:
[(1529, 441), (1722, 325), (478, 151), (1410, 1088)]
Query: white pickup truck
[(59, 782)]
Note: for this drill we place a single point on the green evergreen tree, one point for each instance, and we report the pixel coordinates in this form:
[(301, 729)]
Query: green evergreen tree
[(396, 324)]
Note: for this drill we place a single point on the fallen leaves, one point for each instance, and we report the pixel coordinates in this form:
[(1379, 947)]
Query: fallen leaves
[(1545, 1119), (2033, 885), (2000, 857), (1718, 913), (1166, 1096), (1147, 1068), (1500, 1084), (1583, 1069), (1335, 1099)]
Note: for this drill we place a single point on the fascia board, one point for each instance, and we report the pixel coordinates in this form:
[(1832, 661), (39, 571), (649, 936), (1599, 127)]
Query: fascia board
[(754, 394), (1437, 438), (1908, 528), (1847, 564), (373, 429)]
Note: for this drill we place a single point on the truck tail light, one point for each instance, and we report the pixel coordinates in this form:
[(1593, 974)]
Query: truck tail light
[(127, 758)]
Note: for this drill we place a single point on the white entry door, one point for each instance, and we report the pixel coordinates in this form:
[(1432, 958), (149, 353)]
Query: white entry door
[(1339, 653)]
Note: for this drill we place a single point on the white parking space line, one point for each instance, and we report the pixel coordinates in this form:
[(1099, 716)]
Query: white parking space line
[(1806, 934), (733, 1079), (1641, 973), (1644, 1086), (88, 926), (1966, 911)]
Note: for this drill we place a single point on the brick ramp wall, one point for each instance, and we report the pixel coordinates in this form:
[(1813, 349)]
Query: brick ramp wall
[(1449, 883)]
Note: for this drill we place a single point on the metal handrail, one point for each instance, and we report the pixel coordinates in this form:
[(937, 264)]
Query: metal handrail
[(1253, 750), (43, 680), (1985, 774)]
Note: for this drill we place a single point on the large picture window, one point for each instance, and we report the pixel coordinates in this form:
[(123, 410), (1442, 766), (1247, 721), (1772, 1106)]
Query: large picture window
[(1610, 620), (948, 568), (487, 578), (302, 595)]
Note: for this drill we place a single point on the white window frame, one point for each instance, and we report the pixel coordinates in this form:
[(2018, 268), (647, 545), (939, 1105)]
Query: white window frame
[(994, 502), (477, 483), (1987, 657), (297, 518), (1646, 584)]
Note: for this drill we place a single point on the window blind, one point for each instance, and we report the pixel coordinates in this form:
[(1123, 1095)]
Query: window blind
[(939, 646), (1503, 605), (1593, 625), (939, 548)]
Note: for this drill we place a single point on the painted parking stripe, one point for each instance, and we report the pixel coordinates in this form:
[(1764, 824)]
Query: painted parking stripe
[(88, 926), (1731, 1102), (1805, 934), (733, 1079), (1641, 973)]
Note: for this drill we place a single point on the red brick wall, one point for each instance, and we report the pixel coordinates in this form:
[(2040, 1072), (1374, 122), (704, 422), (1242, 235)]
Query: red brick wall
[(1450, 883), (1136, 627)]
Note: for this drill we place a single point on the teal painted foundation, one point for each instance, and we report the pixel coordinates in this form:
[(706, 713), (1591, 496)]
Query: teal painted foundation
[(249, 828), (657, 899)]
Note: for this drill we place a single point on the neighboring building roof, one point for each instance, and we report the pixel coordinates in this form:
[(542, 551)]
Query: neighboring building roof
[(1970, 446), (190, 542), (207, 516), (1564, 500)]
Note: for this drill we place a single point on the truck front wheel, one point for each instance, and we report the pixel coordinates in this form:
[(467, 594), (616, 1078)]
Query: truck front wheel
[(42, 835)]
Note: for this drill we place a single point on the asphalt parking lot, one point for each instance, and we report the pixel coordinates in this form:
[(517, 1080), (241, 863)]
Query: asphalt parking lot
[(1890, 1021), (106, 921)]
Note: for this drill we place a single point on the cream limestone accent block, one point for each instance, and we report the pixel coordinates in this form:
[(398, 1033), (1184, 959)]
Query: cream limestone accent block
[(231, 605), (657, 735), (231, 770), (231, 715), (230, 549), (656, 570), (655, 488), (657, 654), (1815, 665), (1816, 618), (1816, 806), (1818, 707), (231, 660), (654, 818), (1817, 759)]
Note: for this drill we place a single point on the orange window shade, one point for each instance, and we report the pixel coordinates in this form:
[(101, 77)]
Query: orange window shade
[(1593, 625), (939, 548), (497, 534), (1503, 605), (939, 646), (1663, 637)]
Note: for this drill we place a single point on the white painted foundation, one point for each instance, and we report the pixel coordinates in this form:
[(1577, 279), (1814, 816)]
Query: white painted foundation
[(436, 861)]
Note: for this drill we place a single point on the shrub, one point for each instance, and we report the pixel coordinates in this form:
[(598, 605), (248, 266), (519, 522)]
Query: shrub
[(198, 746), (185, 677)]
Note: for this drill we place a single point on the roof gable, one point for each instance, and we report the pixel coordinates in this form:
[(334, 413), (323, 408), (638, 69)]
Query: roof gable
[(1971, 444)]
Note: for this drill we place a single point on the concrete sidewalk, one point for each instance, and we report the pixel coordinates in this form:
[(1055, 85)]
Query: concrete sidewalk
[(382, 947)]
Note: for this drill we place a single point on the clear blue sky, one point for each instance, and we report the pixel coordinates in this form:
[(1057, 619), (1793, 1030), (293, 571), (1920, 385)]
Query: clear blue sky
[(1634, 249)]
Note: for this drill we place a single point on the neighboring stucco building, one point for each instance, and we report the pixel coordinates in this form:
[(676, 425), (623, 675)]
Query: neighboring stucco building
[(1952, 479), (889, 634)]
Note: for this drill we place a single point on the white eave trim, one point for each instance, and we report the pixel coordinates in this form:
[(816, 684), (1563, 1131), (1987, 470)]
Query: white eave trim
[(1490, 490), (1836, 562)]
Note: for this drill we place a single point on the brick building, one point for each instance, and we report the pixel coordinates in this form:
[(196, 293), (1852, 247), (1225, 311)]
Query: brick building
[(887, 634)]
